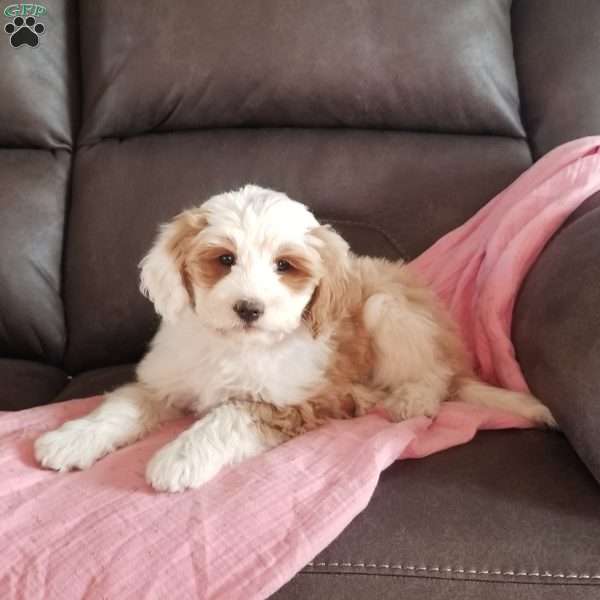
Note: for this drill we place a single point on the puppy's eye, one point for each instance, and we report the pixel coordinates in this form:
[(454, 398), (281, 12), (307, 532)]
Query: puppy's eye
[(227, 260), (283, 265)]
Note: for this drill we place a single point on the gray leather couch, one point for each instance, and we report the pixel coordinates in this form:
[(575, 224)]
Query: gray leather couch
[(395, 120)]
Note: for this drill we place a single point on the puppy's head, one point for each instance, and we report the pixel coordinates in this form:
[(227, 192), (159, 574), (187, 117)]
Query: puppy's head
[(249, 263)]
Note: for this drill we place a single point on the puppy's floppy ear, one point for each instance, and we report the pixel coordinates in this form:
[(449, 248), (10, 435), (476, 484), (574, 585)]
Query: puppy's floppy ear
[(331, 296), (164, 277)]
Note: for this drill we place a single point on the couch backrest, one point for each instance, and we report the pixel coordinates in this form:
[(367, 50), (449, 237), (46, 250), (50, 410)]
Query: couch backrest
[(395, 121), (38, 112)]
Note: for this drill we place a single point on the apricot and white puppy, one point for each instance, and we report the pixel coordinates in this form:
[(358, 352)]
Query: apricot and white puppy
[(270, 327)]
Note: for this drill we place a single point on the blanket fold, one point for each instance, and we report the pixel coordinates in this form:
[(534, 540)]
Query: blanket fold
[(103, 533)]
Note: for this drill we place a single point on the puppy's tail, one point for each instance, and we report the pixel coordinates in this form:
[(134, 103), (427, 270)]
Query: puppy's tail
[(525, 405)]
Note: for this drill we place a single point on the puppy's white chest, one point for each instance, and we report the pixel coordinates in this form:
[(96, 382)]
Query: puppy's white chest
[(282, 375), (203, 371)]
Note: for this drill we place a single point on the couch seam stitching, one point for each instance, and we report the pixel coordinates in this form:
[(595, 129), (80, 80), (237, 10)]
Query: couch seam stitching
[(455, 570)]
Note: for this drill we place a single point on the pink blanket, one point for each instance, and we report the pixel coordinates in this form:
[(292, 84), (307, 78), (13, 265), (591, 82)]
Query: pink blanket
[(103, 533)]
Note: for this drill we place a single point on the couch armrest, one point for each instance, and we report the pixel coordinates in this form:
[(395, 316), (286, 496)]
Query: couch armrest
[(556, 330)]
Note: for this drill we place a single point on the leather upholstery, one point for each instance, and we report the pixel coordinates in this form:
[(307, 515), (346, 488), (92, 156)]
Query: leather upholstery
[(96, 382), (562, 358), (39, 94), (26, 383), (556, 52), (34, 195), (395, 121), (433, 66), (38, 115)]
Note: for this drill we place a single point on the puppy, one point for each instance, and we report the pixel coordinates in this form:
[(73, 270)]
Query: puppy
[(270, 327)]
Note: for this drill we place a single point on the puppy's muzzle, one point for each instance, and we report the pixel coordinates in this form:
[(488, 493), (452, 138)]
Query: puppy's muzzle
[(249, 310)]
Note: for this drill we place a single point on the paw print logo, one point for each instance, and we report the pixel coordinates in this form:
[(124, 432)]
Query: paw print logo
[(24, 31)]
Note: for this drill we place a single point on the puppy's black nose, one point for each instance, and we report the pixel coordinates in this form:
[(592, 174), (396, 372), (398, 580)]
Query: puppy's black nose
[(249, 310)]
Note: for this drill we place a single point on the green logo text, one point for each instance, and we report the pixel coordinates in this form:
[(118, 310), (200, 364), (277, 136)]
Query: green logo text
[(25, 10)]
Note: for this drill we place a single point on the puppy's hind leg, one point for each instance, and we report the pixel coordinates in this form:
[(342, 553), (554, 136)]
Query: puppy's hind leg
[(127, 414), (407, 365), (415, 399)]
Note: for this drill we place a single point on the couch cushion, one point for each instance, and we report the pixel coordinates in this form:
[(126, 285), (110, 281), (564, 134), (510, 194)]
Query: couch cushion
[(38, 96), (435, 66), (556, 330), (557, 52), (484, 513), (393, 194), (39, 105), (96, 382), (33, 197), (26, 384)]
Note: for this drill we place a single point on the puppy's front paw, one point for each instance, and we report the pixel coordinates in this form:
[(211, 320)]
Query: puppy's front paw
[(180, 466), (76, 445)]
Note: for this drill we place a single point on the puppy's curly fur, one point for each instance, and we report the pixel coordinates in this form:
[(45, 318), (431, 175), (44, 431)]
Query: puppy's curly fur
[(271, 326)]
